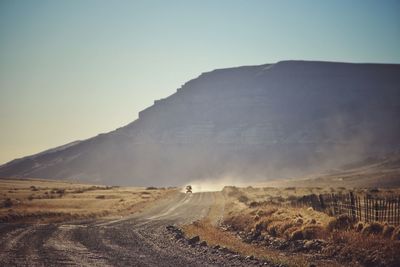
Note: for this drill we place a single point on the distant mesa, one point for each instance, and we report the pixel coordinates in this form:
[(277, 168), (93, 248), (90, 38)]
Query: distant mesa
[(255, 122)]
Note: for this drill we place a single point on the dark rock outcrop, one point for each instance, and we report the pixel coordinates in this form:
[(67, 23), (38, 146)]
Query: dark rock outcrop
[(268, 121)]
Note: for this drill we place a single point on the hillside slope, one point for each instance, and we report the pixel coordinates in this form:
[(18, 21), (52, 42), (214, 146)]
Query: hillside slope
[(258, 122)]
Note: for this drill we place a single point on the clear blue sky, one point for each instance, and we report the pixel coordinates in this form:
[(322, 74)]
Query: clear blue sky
[(72, 69)]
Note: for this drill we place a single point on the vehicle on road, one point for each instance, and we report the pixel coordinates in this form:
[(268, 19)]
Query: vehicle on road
[(188, 189)]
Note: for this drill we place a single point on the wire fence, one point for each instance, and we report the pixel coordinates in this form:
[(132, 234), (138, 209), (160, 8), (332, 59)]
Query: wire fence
[(367, 208)]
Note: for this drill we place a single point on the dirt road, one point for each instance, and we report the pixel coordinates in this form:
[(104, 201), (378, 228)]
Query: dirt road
[(139, 240)]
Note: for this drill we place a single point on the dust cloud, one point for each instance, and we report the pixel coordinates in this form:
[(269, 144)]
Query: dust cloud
[(214, 184)]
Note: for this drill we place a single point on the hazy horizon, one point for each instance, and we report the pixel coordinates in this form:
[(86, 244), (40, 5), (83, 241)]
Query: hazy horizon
[(70, 70)]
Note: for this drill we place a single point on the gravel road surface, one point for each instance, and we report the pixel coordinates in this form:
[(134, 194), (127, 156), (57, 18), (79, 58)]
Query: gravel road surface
[(139, 240)]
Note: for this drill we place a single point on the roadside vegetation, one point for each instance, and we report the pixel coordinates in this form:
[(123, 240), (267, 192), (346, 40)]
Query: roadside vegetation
[(261, 222)]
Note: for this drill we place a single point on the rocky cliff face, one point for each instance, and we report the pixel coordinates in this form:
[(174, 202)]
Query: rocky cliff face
[(255, 122)]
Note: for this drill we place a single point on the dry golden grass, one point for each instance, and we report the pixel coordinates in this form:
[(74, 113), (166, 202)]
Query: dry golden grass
[(263, 210), (236, 213), (348, 242), (34, 200), (370, 250), (266, 210), (215, 236)]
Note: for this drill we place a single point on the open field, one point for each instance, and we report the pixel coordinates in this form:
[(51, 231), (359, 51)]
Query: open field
[(34, 200), (65, 223)]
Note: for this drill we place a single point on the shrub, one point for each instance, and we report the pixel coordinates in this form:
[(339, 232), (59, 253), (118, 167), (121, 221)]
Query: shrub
[(7, 203), (342, 222), (387, 231), (396, 233), (261, 226), (269, 212), (297, 235), (290, 188), (243, 199), (359, 227), (57, 191), (151, 188), (254, 204), (299, 221), (79, 191), (312, 232), (288, 232), (292, 198), (239, 223), (372, 228), (277, 199), (273, 229), (284, 226), (60, 191), (33, 188), (233, 191)]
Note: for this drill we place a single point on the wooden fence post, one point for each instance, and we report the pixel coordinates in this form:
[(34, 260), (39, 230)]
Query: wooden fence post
[(392, 211), (321, 200), (383, 207), (379, 210), (359, 203), (384, 210), (366, 208), (352, 206), (397, 211)]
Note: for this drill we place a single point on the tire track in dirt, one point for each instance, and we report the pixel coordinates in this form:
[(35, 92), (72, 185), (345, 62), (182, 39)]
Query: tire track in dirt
[(23, 247), (72, 251)]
